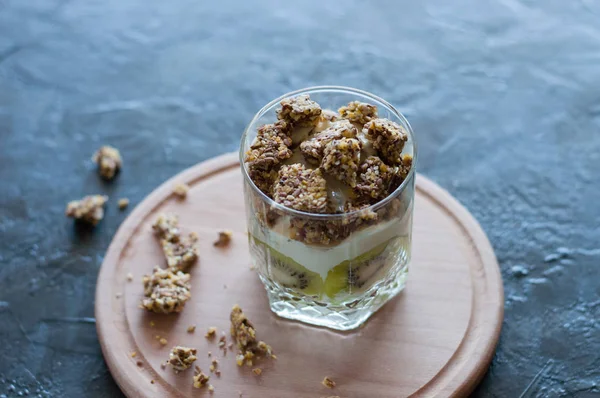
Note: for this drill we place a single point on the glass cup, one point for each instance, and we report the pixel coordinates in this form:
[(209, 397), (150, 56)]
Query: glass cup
[(332, 270)]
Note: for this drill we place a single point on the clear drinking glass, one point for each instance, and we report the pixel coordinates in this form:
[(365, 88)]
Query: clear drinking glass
[(338, 282)]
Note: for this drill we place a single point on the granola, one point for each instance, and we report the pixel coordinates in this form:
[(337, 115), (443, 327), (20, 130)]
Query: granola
[(123, 203), (341, 158), (374, 178), (358, 112), (301, 189), (270, 147), (90, 209), (224, 238), (245, 335), (388, 139), (328, 382), (211, 332), (166, 227), (182, 253), (166, 291), (300, 110), (313, 148), (109, 161), (181, 190), (182, 358)]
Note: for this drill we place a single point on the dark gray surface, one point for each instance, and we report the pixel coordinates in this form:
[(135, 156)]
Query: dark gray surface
[(503, 96)]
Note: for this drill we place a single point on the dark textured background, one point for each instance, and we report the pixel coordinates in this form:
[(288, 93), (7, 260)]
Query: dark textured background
[(503, 95)]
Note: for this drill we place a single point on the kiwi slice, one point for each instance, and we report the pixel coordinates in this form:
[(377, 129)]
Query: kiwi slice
[(288, 273), (355, 274)]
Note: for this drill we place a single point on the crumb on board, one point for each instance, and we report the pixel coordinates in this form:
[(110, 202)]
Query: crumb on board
[(181, 190), (163, 365), (152, 324), (123, 203), (166, 291), (224, 238), (152, 381), (129, 277), (163, 341), (191, 329), (245, 335), (218, 372), (328, 382), (209, 354), (257, 371), (181, 358), (139, 363), (181, 254), (118, 295), (133, 354), (166, 226), (211, 388), (89, 209), (200, 379), (211, 332), (109, 161)]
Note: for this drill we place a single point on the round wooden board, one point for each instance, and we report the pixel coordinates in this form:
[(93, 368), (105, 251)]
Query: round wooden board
[(435, 339)]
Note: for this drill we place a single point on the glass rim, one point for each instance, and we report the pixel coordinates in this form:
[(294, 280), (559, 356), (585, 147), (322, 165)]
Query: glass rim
[(321, 216)]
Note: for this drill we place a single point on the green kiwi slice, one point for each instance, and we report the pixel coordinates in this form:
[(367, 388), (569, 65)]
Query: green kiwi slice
[(358, 273), (288, 273)]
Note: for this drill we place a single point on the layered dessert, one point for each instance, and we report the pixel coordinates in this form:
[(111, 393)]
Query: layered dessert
[(328, 208)]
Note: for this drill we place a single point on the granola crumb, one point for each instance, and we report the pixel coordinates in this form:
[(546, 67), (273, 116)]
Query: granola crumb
[(181, 254), (358, 112), (123, 203), (163, 341), (89, 209), (133, 354), (211, 368), (163, 365), (152, 381), (139, 363), (152, 324), (211, 388), (191, 329), (301, 189), (200, 379), (166, 227), (341, 158), (181, 190), (211, 332), (209, 354), (224, 238), (181, 358), (166, 291), (257, 371), (215, 362), (328, 382), (388, 139), (129, 277), (245, 335), (230, 345), (299, 110), (108, 160)]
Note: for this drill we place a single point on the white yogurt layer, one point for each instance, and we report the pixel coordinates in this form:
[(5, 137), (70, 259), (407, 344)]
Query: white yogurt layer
[(321, 259)]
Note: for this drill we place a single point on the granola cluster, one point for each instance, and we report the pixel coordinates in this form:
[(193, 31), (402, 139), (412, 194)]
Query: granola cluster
[(245, 336), (358, 112), (182, 358), (166, 291), (200, 379), (341, 158), (374, 178), (313, 148), (180, 252), (269, 149), (109, 161), (90, 209), (300, 110), (388, 139), (301, 189)]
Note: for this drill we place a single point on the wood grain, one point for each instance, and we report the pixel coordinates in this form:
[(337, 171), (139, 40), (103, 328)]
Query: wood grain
[(435, 339)]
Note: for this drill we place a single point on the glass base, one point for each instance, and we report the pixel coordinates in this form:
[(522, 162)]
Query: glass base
[(346, 315)]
